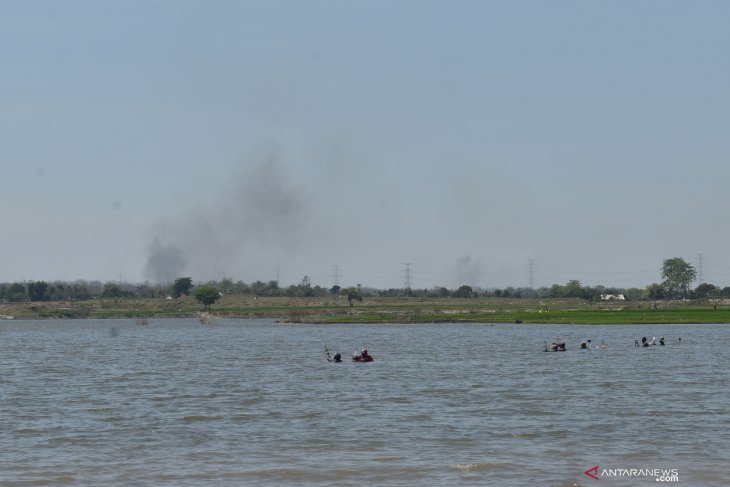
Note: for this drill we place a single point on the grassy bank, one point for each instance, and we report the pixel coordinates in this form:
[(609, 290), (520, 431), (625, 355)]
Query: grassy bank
[(384, 310)]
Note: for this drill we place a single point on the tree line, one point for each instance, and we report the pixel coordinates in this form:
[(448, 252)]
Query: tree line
[(677, 277)]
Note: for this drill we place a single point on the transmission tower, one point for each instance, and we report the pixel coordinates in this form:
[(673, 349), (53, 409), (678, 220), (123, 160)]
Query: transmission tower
[(407, 275), (336, 270)]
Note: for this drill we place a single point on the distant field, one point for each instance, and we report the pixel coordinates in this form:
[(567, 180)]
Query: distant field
[(384, 310)]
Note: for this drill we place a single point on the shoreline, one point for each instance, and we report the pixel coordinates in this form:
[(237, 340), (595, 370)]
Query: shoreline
[(381, 310)]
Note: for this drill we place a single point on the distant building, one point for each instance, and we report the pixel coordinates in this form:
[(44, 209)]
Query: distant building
[(613, 297)]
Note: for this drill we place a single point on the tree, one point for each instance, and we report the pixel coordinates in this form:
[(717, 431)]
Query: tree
[(557, 291), (590, 294), (573, 289), (714, 297), (656, 291), (79, 291), (704, 290), (37, 290), (16, 292), (227, 285), (305, 287), (259, 288), (182, 285), (352, 294), (464, 292), (112, 290), (441, 292), (678, 274), (207, 295)]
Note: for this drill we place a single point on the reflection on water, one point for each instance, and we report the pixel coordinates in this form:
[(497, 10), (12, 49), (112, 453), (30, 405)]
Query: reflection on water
[(256, 403)]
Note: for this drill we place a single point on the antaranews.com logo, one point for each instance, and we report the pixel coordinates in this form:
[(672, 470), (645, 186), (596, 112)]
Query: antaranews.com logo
[(658, 474)]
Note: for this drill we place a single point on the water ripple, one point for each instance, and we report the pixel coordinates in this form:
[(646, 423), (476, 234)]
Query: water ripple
[(179, 404)]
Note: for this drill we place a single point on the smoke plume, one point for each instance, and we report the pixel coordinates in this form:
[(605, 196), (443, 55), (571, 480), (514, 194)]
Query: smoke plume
[(254, 221), (469, 271)]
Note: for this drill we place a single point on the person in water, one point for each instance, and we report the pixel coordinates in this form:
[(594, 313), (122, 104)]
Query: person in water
[(337, 357), (363, 356), (586, 345), (644, 343), (661, 341), (557, 347)]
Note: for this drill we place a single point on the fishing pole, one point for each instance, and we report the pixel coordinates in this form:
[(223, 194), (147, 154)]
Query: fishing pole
[(326, 350)]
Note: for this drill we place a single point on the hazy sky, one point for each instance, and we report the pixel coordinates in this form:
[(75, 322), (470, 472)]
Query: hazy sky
[(154, 139)]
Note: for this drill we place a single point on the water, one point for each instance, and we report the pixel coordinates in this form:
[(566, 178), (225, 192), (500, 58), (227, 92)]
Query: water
[(242, 402)]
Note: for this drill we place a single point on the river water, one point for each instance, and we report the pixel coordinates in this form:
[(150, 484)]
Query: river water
[(252, 402)]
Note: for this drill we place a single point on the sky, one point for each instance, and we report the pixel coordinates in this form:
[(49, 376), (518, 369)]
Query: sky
[(364, 141)]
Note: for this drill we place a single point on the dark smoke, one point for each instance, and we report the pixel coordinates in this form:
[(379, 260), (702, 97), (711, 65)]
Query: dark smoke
[(255, 221), (165, 262), (469, 271)]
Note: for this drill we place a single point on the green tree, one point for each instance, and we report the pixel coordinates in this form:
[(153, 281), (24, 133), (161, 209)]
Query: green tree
[(704, 290), (37, 290), (182, 285), (464, 292), (16, 293), (79, 291), (352, 294), (227, 285), (590, 294), (573, 289), (259, 288), (656, 291), (557, 291), (439, 292), (112, 290), (305, 287), (207, 295), (714, 297), (678, 274)]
